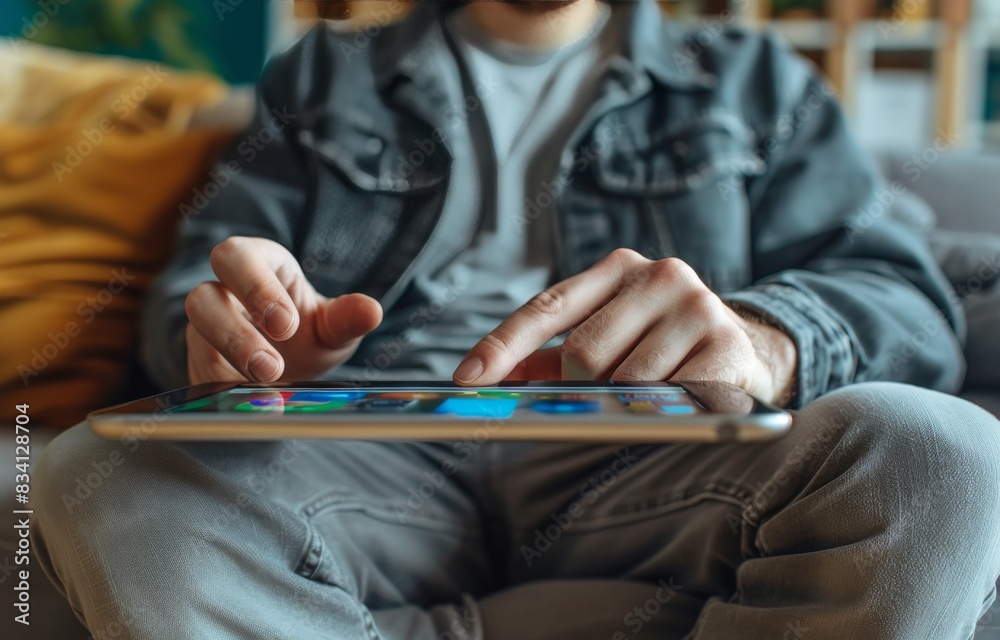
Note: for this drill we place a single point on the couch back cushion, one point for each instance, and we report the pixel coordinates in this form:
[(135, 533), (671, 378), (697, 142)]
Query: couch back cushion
[(95, 155)]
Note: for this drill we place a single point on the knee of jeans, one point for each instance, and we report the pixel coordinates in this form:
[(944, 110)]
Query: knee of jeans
[(930, 435), (71, 474), (80, 478)]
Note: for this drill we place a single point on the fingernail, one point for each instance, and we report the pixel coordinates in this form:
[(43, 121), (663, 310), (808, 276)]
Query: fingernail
[(262, 366), (470, 370), (277, 319)]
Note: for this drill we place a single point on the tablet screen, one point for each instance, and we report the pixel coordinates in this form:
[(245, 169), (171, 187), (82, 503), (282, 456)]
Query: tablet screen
[(452, 402), (440, 411)]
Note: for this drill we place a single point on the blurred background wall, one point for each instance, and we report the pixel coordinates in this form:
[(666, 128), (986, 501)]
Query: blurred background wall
[(226, 37)]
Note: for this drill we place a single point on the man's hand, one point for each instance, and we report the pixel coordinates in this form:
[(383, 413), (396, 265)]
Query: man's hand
[(263, 320), (635, 319)]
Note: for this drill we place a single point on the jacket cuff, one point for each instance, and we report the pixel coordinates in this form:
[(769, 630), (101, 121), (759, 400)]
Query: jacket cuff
[(826, 358)]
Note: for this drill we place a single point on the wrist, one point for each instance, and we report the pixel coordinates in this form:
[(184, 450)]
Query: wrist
[(781, 356), (776, 350)]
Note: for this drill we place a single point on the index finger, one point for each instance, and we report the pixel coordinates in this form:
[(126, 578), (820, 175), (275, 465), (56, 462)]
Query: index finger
[(549, 314), (250, 270)]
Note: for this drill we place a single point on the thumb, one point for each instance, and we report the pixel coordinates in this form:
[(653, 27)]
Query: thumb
[(342, 321)]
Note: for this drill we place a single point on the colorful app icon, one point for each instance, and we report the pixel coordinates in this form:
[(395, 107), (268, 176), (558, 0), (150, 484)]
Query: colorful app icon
[(294, 402), (463, 407), (268, 401), (383, 404), (503, 395), (677, 409), (314, 407), (641, 406), (324, 396), (262, 405), (566, 406)]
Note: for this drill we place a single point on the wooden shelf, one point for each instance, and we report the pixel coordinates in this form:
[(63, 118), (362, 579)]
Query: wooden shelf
[(805, 34), (917, 35), (855, 40), (850, 42)]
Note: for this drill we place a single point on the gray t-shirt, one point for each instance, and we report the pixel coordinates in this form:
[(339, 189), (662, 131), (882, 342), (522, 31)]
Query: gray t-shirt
[(531, 102)]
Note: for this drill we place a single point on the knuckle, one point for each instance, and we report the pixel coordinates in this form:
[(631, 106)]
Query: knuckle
[(641, 366), (625, 374), (670, 270), (258, 297), (236, 347), (500, 341), (703, 305), (289, 273), (582, 351), (676, 264), (225, 250), (624, 261), (548, 303), (720, 365), (198, 297), (600, 328), (626, 256)]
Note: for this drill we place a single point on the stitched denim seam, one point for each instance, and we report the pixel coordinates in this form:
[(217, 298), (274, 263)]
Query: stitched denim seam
[(312, 554), (347, 503), (347, 163), (716, 491), (730, 162), (369, 621)]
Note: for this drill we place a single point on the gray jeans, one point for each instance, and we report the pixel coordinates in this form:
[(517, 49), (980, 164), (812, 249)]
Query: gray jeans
[(877, 517)]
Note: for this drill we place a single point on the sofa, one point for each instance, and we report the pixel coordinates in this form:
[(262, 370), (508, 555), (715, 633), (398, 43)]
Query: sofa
[(957, 203), (952, 198)]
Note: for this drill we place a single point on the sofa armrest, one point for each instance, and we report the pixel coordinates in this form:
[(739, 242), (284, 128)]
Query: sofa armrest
[(963, 188), (989, 400)]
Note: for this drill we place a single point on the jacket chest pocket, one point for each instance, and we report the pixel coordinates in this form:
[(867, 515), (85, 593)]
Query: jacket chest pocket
[(373, 207), (683, 189)]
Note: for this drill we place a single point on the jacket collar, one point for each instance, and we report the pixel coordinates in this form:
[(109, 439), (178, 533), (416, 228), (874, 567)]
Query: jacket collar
[(652, 46)]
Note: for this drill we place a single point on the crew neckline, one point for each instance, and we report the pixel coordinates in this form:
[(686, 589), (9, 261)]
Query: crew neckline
[(510, 53)]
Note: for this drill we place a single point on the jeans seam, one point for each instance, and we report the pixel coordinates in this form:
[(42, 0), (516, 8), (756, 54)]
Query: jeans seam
[(715, 491), (338, 501), (370, 627), (312, 554)]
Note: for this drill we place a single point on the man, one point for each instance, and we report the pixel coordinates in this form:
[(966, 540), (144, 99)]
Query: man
[(684, 205)]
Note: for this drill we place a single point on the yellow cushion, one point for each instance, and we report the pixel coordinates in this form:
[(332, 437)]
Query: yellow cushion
[(95, 155)]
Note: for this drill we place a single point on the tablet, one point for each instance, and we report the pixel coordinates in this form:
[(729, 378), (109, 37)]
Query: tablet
[(441, 411)]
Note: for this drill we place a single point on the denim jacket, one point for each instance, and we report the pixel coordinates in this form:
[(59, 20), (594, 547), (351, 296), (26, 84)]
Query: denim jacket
[(711, 144)]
